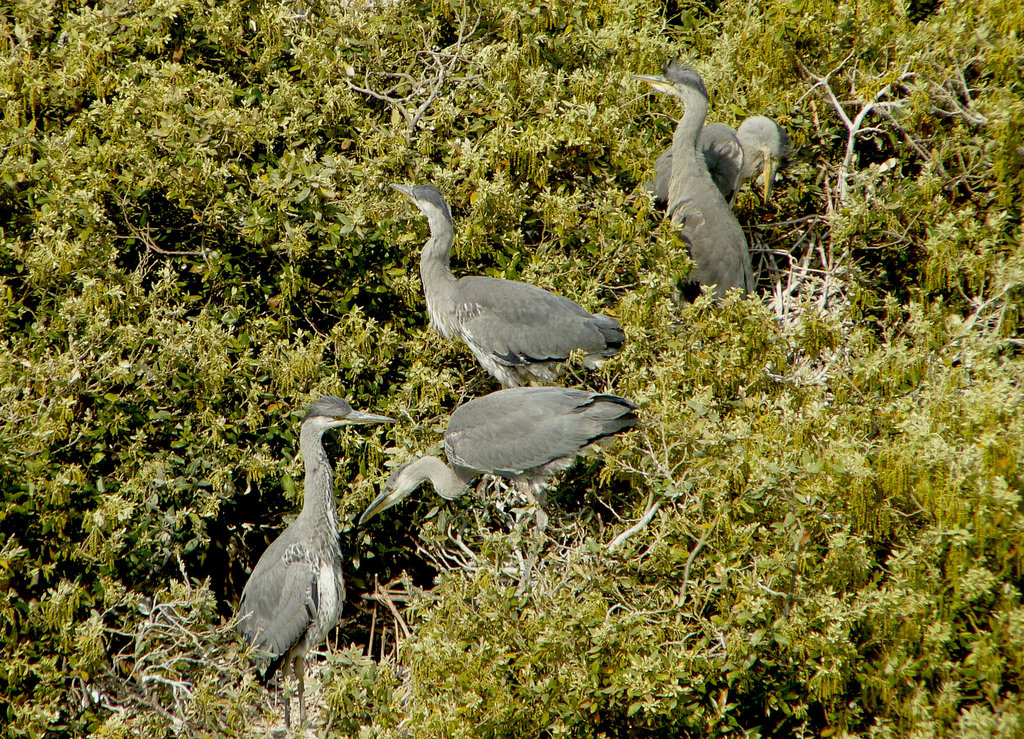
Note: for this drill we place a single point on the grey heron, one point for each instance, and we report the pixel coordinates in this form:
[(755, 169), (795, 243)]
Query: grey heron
[(295, 593), (518, 332), (717, 244), (525, 434), (757, 150)]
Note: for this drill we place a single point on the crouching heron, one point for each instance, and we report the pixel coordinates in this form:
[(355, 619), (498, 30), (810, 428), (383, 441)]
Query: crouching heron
[(294, 595), (525, 434), (518, 332)]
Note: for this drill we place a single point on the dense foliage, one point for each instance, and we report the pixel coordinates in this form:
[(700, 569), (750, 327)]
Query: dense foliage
[(817, 530)]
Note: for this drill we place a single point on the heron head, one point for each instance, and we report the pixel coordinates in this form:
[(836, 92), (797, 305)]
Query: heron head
[(769, 150), (329, 411), (427, 198), (399, 485), (675, 79)]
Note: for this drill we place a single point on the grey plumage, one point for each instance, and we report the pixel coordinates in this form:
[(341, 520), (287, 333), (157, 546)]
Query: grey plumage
[(766, 149), (295, 593), (717, 244), (523, 434), (518, 332), (758, 149), (723, 156)]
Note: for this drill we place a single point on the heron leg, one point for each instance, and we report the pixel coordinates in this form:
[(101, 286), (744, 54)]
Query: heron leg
[(300, 673), (282, 686), (533, 555), (287, 707)]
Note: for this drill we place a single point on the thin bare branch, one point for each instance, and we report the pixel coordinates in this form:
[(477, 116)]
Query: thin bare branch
[(638, 526)]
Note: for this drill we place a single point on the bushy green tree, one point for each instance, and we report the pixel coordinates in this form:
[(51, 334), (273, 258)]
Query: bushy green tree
[(817, 529)]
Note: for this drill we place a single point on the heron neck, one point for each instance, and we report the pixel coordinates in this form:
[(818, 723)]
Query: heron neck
[(690, 125), (318, 498), (446, 481), (688, 166), (436, 274), (438, 250)]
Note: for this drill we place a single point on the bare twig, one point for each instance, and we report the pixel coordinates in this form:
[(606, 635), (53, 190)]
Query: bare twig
[(854, 126), (388, 597), (693, 555), (638, 526), (144, 237), (439, 68)]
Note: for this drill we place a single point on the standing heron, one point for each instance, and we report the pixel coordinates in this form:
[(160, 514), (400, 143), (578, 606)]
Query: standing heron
[(757, 150), (518, 332), (717, 244), (295, 593), (526, 434)]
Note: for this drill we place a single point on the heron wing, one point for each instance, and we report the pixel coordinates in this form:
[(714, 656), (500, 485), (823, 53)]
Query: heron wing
[(719, 249), (515, 431), (723, 155), (279, 600), (662, 174), (520, 323)]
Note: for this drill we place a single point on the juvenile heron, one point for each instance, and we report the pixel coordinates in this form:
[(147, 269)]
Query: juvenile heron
[(525, 434), (717, 244), (295, 593), (757, 150), (518, 332)]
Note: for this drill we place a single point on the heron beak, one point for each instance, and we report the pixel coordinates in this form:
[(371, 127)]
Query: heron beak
[(659, 83), (404, 189), (360, 417), (382, 502), (770, 168)]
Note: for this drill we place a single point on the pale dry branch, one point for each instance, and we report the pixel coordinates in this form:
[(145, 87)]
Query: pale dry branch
[(956, 94), (438, 70), (640, 525), (143, 236), (387, 596), (854, 126), (693, 555)]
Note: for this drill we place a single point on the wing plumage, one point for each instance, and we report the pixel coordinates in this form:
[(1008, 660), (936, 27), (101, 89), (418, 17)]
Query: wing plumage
[(723, 155), (511, 432), (278, 603), (520, 323)]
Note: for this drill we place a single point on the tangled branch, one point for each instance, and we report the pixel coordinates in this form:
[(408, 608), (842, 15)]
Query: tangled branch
[(420, 93)]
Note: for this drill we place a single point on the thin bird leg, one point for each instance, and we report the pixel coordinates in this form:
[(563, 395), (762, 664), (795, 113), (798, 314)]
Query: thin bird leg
[(536, 541), (283, 687), (300, 673), (528, 565), (538, 494)]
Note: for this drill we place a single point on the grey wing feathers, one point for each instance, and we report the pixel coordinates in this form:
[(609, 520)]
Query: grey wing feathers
[(519, 323), (723, 155), (510, 432), (719, 249), (278, 602), (662, 174)]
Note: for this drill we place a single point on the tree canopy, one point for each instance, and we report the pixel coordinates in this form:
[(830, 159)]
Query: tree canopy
[(817, 528)]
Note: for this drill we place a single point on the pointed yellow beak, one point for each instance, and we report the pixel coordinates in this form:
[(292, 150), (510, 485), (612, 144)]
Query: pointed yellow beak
[(770, 168), (656, 81)]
